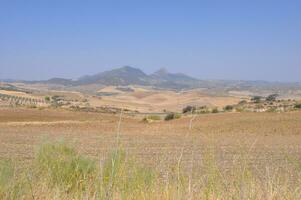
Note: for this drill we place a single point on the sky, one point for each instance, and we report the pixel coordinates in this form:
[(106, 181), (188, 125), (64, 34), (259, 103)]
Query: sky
[(214, 39)]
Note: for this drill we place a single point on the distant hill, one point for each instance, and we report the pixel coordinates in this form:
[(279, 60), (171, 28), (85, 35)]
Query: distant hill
[(60, 81), (121, 76), (164, 75), (53, 81), (128, 76), (133, 76), (162, 79)]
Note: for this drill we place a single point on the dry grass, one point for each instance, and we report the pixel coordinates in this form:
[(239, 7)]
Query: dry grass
[(59, 172), (223, 156)]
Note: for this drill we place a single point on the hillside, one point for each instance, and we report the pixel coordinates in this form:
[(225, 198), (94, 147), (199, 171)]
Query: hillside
[(133, 76), (121, 76), (162, 79)]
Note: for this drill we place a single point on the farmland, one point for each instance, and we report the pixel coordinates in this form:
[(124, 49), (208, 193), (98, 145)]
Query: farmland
[(265, 140)]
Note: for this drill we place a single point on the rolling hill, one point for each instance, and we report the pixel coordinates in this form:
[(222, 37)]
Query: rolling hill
[(162, 79)]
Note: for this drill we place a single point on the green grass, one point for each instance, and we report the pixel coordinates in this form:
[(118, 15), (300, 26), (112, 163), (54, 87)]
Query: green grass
[(60, 172)]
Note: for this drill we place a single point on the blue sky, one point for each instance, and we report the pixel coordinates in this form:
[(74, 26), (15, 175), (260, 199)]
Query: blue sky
[(250, 40)]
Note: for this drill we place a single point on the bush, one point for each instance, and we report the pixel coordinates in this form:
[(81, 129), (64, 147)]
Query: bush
[(256, 99), (228, 108), (214, 110), (203, 109), (272, 97), (47, 98), (242, 102), (189, 109), (298, 106), (172, 116), (239, 109)]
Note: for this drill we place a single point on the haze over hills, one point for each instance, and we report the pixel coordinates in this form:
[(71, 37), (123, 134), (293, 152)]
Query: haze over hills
[(134, 76), (162, 79), (130, 76), (121, 76)]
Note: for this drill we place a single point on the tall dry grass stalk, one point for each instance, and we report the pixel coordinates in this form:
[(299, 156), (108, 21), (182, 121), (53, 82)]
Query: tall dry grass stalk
[(181, 156), (59, 172)]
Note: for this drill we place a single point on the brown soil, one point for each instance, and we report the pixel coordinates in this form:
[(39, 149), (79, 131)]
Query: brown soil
[(263, 134)]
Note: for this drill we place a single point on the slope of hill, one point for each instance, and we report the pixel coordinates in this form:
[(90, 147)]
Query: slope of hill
[(162, 79), (133, 76), (60, 81), (121, 76), (164, 75)]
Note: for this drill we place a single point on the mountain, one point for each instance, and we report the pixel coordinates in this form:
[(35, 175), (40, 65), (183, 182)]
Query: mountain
[(121, 76), (162, 79), (164, 75), (128, 76), (133, 76), (52, 81), (60, 81)]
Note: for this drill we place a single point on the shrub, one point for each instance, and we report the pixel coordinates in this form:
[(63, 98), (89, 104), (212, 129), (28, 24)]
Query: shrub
[(214, 110), (228, 108), (272, 97), (172, 116), (47, 98), (298, 106), (239, 109), (256, 99), (189, 109), (242, 102), (203, 109)]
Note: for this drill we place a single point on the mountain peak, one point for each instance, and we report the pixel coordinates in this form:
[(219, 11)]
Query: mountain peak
[(128, 75), (121, 76), (128, 68), (161, 71)]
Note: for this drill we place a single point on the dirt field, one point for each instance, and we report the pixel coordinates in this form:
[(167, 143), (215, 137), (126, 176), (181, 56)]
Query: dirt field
[(263, 135), (148, 100), (139, 99)]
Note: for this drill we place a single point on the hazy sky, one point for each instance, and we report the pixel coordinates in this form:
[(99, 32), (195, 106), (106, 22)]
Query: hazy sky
[(243, 39)]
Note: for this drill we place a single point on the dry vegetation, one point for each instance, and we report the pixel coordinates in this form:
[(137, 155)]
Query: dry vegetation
[(132, 98), (220, 156)]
